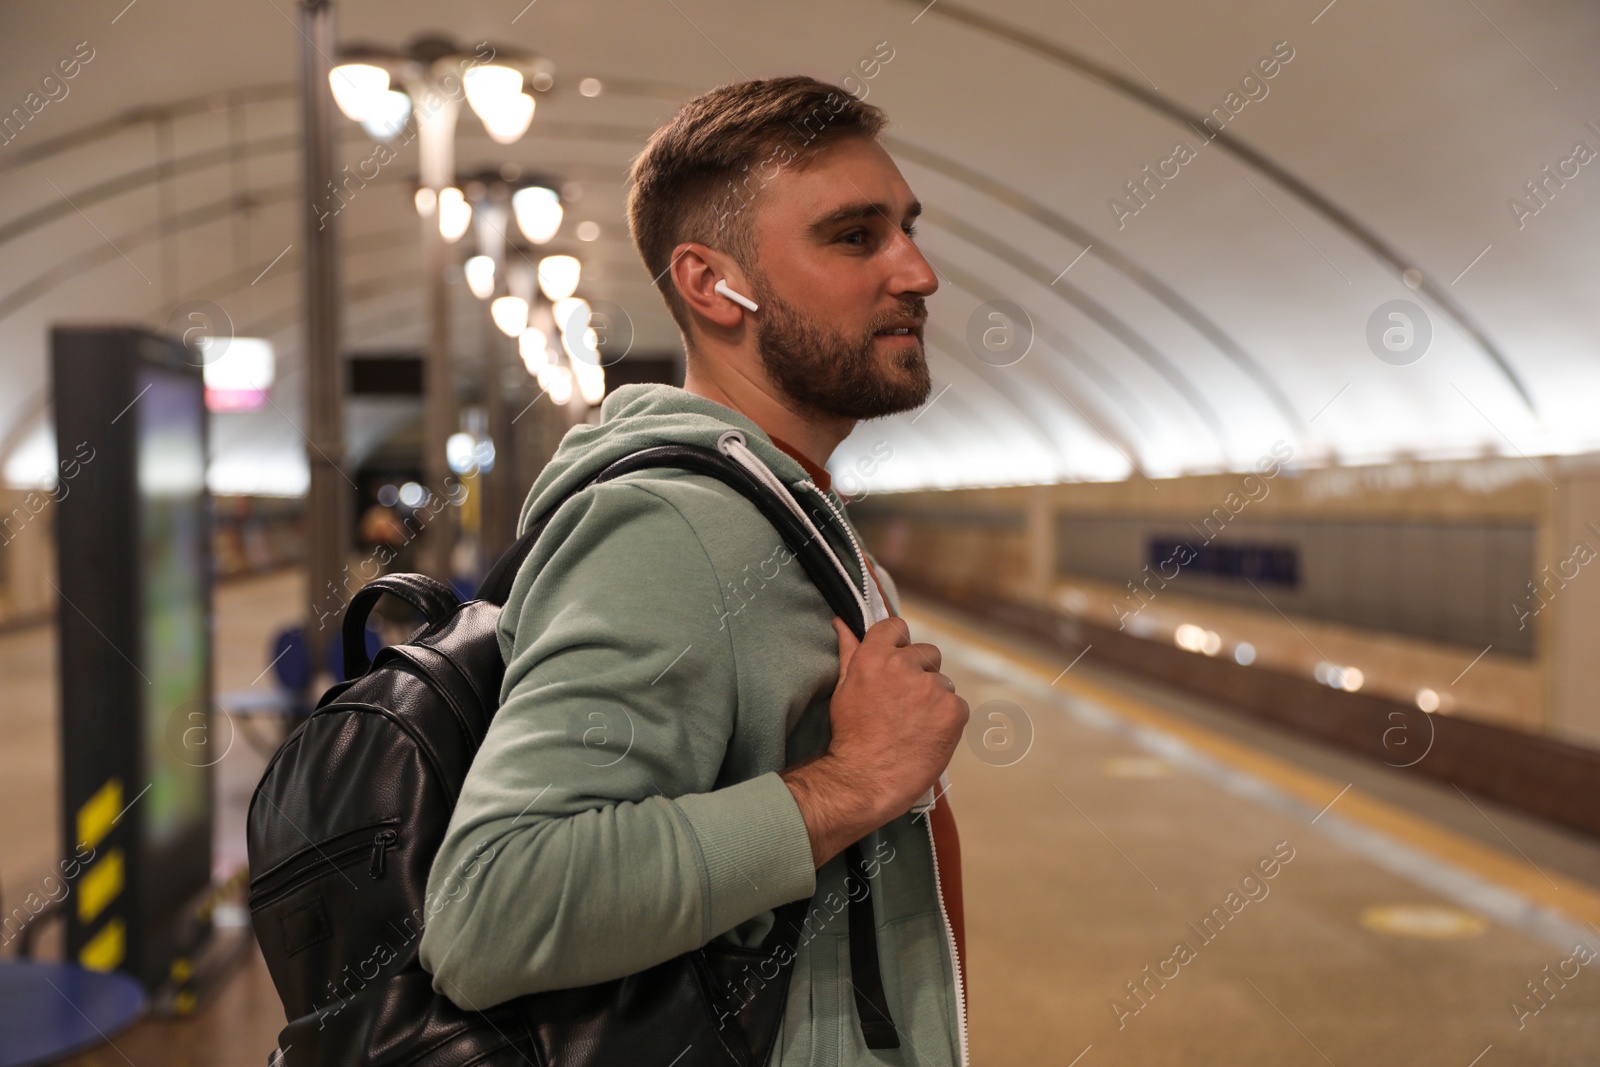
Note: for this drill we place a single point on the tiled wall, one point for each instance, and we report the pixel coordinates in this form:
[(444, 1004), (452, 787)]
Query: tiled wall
[(1448, 581)]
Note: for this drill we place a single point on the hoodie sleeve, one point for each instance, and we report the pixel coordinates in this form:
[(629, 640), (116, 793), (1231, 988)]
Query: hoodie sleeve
[(589, 841)]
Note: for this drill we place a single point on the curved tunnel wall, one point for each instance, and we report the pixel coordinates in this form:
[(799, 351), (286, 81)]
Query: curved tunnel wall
[(1229, 313)]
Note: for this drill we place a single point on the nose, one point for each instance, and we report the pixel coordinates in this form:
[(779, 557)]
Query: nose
[(913, 273)]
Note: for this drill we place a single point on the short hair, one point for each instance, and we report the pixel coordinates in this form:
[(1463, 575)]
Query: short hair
[(700, 171)]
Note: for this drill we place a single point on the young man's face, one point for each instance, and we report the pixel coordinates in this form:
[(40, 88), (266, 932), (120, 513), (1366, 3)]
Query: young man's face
[(836, 271)]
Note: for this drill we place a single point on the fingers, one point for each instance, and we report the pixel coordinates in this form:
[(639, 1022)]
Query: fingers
[(847, 645), (893, 629), (928, 655)]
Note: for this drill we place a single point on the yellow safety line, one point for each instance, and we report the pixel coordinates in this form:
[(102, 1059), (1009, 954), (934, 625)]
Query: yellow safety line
[(1512, 872)]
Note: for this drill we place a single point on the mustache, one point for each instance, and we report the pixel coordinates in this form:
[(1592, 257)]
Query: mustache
[(915, 308)]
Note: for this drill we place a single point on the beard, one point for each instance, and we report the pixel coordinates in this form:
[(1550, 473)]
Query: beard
[(826, 373)]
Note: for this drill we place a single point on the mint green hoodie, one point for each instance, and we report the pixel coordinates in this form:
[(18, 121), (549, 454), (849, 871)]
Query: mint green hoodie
[(665, 657)]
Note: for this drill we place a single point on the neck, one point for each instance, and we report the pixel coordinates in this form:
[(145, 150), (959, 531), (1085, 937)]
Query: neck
[(758, 400)]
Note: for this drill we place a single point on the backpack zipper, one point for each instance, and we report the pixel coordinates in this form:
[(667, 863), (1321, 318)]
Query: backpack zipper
[(324, 858), (381, 845)]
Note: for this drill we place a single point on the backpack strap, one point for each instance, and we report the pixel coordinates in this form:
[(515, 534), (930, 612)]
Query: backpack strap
[(813, 556), (872, 1006)]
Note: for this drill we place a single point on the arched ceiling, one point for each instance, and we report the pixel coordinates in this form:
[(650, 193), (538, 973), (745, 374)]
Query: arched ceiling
[(1229, 311)]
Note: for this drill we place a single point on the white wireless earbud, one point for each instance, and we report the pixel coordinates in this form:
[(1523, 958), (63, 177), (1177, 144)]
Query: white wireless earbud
[(738, 298)]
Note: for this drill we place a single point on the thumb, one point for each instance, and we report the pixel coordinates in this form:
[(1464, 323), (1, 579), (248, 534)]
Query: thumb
[(847, 645)]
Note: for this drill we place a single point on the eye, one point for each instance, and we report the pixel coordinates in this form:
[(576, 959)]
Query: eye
[(862, 234), (910, 229)]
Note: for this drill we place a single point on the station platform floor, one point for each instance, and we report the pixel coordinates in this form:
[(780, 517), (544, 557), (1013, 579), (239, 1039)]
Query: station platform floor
[(1116, 838)]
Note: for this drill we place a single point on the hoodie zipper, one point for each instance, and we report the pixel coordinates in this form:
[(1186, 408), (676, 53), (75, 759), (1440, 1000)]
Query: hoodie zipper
[(950, 942), (933, 848), (753, 463)]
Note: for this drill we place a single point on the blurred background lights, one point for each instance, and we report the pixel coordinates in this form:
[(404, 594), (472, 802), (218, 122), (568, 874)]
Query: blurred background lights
[(240, 378), (480, 276), (1347, 678), (358, 89), (455, 214), (556, 381), (570, 311), (1192, 638), (531, 346), (510, 313), (509, 122), (538, 213), (483, 454), (490, 85), (591, 381), (458, 450), (387, 115), (558, 276), (580, 347), (495, 94)]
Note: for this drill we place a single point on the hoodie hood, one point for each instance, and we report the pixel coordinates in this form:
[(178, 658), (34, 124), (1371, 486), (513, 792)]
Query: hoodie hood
[(639, 416)]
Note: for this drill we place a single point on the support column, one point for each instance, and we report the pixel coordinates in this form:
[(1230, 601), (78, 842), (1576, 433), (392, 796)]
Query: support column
[(1570, 630), (500, 499), (439, 416), (328, 497), (435, 111)]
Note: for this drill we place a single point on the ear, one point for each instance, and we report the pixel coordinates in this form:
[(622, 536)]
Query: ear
[(696, 269)]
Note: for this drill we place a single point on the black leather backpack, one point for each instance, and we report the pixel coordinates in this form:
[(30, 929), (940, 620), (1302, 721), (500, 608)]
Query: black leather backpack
[(346, 820)]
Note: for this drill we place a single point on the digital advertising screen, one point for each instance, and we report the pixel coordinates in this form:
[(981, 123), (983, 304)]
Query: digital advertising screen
[(133, 543), (172, 561)]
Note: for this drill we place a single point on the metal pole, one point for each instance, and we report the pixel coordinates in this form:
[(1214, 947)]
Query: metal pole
[(492, 217), (436, 110), (439, 410), (327, 500), (499, 485)]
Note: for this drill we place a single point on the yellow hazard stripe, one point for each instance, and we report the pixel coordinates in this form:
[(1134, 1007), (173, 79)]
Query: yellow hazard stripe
[(99, 812), (106, 948), (99, 885)]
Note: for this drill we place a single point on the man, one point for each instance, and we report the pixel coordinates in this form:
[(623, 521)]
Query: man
[(682, 744)]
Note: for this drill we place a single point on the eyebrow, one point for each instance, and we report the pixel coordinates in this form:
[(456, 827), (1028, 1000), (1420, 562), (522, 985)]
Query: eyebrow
[(864, 209)]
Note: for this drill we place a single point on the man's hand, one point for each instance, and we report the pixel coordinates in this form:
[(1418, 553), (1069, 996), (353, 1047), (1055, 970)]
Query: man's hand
[(896, 723)]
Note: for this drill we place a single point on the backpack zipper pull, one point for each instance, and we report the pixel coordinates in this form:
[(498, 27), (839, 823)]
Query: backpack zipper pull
[(380, 847)]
